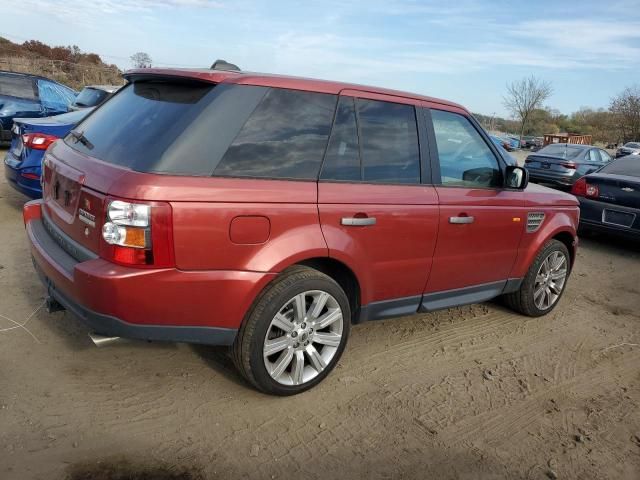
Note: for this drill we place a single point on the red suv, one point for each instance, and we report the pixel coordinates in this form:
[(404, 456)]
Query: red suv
[(269, 213)]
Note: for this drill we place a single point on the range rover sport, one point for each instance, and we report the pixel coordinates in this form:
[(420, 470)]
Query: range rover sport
[(270, 213)]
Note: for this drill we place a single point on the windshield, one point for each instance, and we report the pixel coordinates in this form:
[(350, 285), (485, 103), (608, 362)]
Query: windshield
[(632, 145), (561, 151), (90, 97)]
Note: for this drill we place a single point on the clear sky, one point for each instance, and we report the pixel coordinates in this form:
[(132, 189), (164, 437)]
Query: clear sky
[(461, 50)]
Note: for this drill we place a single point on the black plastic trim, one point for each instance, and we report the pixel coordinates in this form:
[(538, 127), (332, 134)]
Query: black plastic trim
[(53, 248), (396, 307), (69, 245), (462, 296), (110, 326), (423, 141)]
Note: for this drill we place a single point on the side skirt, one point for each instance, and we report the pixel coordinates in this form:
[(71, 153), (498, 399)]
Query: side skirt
[(430, 302)]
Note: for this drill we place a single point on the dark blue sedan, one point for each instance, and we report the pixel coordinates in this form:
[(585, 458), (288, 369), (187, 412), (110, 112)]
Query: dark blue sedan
[(30, 138), (30, 96)]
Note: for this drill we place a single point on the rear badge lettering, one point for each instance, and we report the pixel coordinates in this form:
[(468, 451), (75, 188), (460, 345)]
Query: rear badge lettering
[(86, 217)]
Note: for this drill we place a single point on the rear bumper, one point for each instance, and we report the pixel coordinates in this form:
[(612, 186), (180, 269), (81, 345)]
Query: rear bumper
[(149, 304), (591, 217), (561, 180), (30, 188)]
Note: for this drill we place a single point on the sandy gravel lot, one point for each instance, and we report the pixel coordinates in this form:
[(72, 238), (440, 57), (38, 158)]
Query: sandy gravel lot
[(473, 392)]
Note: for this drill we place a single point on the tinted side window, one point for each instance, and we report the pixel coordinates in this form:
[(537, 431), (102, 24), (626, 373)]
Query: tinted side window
[(342, 160), (389, 142), (604, 156), (593, 156), (465, 159), (17, 86), (285, 137)]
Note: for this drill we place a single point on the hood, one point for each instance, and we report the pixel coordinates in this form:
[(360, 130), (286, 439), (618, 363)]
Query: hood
[(537, 195)]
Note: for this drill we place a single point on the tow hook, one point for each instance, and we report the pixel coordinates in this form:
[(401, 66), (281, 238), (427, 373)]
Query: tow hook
[(52, 305)]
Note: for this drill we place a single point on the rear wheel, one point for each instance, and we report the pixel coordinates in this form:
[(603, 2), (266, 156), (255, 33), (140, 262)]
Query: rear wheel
[(294, 334), (544, 283)]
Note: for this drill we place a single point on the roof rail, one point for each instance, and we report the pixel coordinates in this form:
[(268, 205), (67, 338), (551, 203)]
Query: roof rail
[(224, 65)]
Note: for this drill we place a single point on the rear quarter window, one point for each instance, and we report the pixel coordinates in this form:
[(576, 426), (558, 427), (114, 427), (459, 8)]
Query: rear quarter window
[(285, 137)]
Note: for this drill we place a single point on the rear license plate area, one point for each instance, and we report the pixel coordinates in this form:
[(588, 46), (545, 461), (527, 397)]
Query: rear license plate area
[(615, 217)]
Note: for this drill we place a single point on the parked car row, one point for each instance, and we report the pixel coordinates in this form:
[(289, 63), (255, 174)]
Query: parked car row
[(608, 189), (33, 115), (270, 213)]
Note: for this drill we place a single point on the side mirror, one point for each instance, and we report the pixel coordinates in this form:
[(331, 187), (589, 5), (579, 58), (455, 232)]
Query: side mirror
[(516, 177)]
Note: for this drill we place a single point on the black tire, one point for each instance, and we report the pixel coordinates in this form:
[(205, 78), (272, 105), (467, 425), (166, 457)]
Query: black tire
[(248, 347), (522, 301)]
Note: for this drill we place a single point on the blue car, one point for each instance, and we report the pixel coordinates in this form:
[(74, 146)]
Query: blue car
[(30, 96), (30, 138)]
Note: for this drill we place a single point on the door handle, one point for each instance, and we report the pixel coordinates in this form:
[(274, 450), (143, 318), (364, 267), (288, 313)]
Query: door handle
[(358, 221), (461, 220)]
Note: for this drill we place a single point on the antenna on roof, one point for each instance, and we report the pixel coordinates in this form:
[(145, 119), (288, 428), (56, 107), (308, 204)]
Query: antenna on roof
[(224, 65)]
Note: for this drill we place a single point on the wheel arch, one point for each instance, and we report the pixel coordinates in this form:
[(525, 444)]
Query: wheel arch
[(342, 274)]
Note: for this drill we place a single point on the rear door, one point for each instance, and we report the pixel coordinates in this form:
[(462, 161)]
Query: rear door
[(376, 214), (481, 223)]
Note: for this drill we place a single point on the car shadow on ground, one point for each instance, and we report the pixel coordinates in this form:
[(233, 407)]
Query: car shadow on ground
[(219, 359), (609, 244)]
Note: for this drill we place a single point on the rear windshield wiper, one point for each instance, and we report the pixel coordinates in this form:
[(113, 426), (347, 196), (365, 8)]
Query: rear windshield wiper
[(79, 136)]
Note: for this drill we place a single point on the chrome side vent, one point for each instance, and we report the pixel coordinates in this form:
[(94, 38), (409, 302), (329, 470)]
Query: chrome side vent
[(534, 220)]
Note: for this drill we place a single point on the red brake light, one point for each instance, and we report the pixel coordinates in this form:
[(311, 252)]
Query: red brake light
[(38, 141), (30, 176), (159, 250), (569, 165), (579, 188)]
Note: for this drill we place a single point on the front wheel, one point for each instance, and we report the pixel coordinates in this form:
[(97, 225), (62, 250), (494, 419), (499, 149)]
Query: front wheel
[(544, 283), (294, 334)]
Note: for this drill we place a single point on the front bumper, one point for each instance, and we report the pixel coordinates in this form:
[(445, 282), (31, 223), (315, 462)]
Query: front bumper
[(148, 304)]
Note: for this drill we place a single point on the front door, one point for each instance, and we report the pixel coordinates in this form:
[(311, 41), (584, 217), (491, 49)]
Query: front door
[(375, 214), (481, 223)]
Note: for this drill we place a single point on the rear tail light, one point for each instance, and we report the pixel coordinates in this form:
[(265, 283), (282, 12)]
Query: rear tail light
[(569, 165), (30, 176), (528, 160), (38, 141), (579, 188), (138, 234), (583, 189)]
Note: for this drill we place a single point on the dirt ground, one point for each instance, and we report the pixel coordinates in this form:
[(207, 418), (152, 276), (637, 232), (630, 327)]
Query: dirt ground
[(476, 392)]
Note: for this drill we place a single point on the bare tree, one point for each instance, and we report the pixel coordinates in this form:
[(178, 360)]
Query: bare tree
[(141, 60), (626, 113), (524, 97)]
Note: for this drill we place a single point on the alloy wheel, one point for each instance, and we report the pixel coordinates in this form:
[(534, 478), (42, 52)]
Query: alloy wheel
[(303, 337), (550, 280)]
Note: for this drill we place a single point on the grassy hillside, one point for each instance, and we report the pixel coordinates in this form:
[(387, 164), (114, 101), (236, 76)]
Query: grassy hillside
[(67, 65)]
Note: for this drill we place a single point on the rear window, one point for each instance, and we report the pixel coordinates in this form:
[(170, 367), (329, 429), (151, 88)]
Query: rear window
[(90, 97), (623, 166), (167, 127), (18, 86), (561, 151)]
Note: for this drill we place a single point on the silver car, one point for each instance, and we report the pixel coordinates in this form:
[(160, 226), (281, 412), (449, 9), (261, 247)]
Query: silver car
[(629, 148)]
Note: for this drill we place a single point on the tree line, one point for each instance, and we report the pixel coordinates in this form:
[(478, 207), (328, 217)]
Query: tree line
[(524, 99)]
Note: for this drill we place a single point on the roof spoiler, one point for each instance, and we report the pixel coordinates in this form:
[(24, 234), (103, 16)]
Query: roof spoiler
[(224, 65)]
